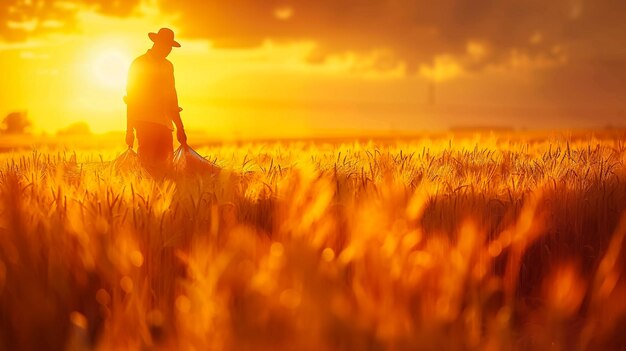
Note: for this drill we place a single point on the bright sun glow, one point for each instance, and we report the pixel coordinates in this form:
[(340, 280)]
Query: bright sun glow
[(110, 68)]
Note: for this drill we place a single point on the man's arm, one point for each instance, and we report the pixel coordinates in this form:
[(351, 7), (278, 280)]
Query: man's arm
[(130, 87), (178, 122), (175, 110), (180, 129), (130, 136), (129, 119)]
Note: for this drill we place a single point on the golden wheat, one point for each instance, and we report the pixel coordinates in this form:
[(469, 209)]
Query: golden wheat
[(464, 244)]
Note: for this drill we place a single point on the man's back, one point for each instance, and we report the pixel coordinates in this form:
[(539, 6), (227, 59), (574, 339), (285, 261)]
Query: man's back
[(151, 92)]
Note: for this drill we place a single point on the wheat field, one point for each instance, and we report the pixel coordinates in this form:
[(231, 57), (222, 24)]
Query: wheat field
[(455, 243)]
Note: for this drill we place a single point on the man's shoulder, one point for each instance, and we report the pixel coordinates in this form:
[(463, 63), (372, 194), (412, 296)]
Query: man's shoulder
[(140, 58), (146, 59)]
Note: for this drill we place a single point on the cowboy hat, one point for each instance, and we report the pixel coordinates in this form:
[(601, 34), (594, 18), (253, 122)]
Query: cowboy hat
[(164, 36)]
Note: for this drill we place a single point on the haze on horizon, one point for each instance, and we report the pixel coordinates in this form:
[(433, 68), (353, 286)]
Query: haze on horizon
[(280, 68)]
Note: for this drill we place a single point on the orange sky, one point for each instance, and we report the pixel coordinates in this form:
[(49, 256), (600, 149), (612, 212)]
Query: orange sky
[(293, 68)]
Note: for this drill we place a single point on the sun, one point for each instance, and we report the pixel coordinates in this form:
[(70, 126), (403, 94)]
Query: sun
[(110, 68)]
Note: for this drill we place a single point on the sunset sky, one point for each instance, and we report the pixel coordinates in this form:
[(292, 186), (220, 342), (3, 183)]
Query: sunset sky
[(280, 68)]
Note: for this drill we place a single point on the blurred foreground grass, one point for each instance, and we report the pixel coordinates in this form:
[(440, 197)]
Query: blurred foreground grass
[(431, 244)]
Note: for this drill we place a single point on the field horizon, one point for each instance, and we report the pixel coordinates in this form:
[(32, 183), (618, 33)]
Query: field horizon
[(202, 138)]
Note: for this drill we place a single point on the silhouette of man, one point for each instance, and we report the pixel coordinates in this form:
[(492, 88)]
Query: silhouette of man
[(152, 104)]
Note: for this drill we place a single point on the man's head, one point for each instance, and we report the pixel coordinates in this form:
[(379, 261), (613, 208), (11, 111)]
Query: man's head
[(163, 42)]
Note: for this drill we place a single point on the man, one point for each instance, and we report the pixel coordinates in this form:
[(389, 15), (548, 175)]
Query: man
[(152, 104)]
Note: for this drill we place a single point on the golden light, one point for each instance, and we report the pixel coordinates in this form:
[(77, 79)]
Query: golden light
[(109, 68)]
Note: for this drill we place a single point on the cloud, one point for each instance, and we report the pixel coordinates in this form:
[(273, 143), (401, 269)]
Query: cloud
[(417, 32), (21, 19), (472, 35)]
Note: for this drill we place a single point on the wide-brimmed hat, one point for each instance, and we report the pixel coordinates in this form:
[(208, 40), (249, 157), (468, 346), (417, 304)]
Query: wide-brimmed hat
[(164, 36)]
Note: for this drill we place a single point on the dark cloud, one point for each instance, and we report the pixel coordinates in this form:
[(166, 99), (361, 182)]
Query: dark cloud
[(20, 19), (413, 31), (417, 31)]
